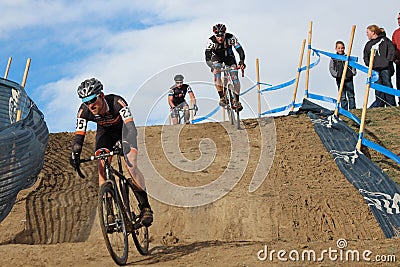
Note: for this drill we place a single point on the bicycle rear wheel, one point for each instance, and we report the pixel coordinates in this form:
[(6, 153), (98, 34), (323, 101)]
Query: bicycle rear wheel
[(140, 233), (113, 224)]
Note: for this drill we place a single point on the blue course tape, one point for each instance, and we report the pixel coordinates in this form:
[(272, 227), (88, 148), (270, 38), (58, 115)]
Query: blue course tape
[(381, 150), (279, 86), (349, 115), (248, 90), (280, 109), (385, 89), (322, 98), (337, 56), (206, 116), (352, 62)]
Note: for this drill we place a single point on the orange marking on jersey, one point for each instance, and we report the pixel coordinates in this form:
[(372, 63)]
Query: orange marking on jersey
[(121, 103), (80, 113), (110, 122), (128, 120), (80, 133)]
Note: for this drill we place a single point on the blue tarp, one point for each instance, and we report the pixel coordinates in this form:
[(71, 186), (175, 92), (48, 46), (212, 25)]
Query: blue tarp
[(380, 192), (23, 141)]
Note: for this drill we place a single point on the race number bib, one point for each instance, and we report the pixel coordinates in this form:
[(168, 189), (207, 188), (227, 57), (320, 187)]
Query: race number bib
[(81, 125), (125, 113)]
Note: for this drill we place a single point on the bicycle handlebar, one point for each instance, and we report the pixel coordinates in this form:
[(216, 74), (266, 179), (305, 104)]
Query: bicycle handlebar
[(228, 68), (95, 157), (182, 109)]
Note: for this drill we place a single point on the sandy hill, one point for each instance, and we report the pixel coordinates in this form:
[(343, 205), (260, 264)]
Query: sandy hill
[(219, 196)]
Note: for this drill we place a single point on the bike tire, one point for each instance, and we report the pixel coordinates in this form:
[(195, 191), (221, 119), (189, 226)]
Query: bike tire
[(140, 233), (114, 232), (237, 119), (229, 109)]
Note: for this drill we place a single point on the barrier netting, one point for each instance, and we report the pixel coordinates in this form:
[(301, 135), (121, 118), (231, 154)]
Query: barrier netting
[(23, 140)]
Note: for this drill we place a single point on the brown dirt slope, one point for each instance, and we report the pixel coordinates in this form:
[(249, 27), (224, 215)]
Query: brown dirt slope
[(303, 202)]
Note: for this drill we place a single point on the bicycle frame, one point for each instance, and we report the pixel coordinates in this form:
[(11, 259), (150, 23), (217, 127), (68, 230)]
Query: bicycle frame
[(181, 113), (230, 94), (122, 191)]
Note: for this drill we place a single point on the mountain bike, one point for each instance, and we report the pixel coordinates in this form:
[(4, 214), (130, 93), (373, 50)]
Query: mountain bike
[(118, 208), (181, 113), (229, 96)]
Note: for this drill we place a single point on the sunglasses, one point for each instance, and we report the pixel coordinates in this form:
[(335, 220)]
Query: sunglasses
[(220, 34), (179, 82), (91, 101)]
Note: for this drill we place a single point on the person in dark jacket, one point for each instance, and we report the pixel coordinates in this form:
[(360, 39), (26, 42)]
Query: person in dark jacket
[(384, 55), (336, 67), (396, 43)]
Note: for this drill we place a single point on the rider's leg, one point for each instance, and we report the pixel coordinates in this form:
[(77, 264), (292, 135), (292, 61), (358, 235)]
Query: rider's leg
[(103, 141), (236, 88), (218, 82), (100, 171), (174, 117), (140, 193), (186, 113)]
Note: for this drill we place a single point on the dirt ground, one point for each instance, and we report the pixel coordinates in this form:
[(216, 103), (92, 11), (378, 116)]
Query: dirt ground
[(282, 191)]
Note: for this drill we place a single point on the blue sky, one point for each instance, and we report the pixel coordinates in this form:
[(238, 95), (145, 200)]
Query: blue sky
[(135, 48)]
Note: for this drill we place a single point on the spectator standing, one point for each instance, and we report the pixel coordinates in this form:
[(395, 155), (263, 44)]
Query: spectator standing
[(396, 43), (384, 55), (336, 67)]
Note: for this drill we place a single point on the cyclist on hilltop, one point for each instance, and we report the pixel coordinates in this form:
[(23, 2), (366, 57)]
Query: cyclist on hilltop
[(176, 99), (220, 50), (114, 122)]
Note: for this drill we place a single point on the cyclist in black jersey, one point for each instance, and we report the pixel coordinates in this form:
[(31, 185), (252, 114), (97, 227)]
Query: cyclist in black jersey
[(176, 99), (220, 50), (114, 122)]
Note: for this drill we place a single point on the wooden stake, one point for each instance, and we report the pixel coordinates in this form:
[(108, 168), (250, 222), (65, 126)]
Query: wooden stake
[(364, 111), (308, 59), (8, 67), (346, 65), (259, 89), (28, 63), (298, 74)]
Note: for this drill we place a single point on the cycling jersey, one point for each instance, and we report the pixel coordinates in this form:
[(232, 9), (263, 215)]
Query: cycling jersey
[(216, 52), (178, 94), (116, 124)]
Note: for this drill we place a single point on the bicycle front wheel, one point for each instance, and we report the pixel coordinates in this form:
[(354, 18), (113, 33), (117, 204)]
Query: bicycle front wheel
[(113, 224), (140, 233), (229, 109)]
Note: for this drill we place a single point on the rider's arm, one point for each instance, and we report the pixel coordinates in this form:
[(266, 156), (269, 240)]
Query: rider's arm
[(80, 132), (239, 49), (208, 53), (240, 52), (129, 131), (171, 98), (191, 94)]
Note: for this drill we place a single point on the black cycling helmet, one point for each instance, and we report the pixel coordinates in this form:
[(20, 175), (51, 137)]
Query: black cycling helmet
[(89, 87), (219, 28), (178, 77)]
